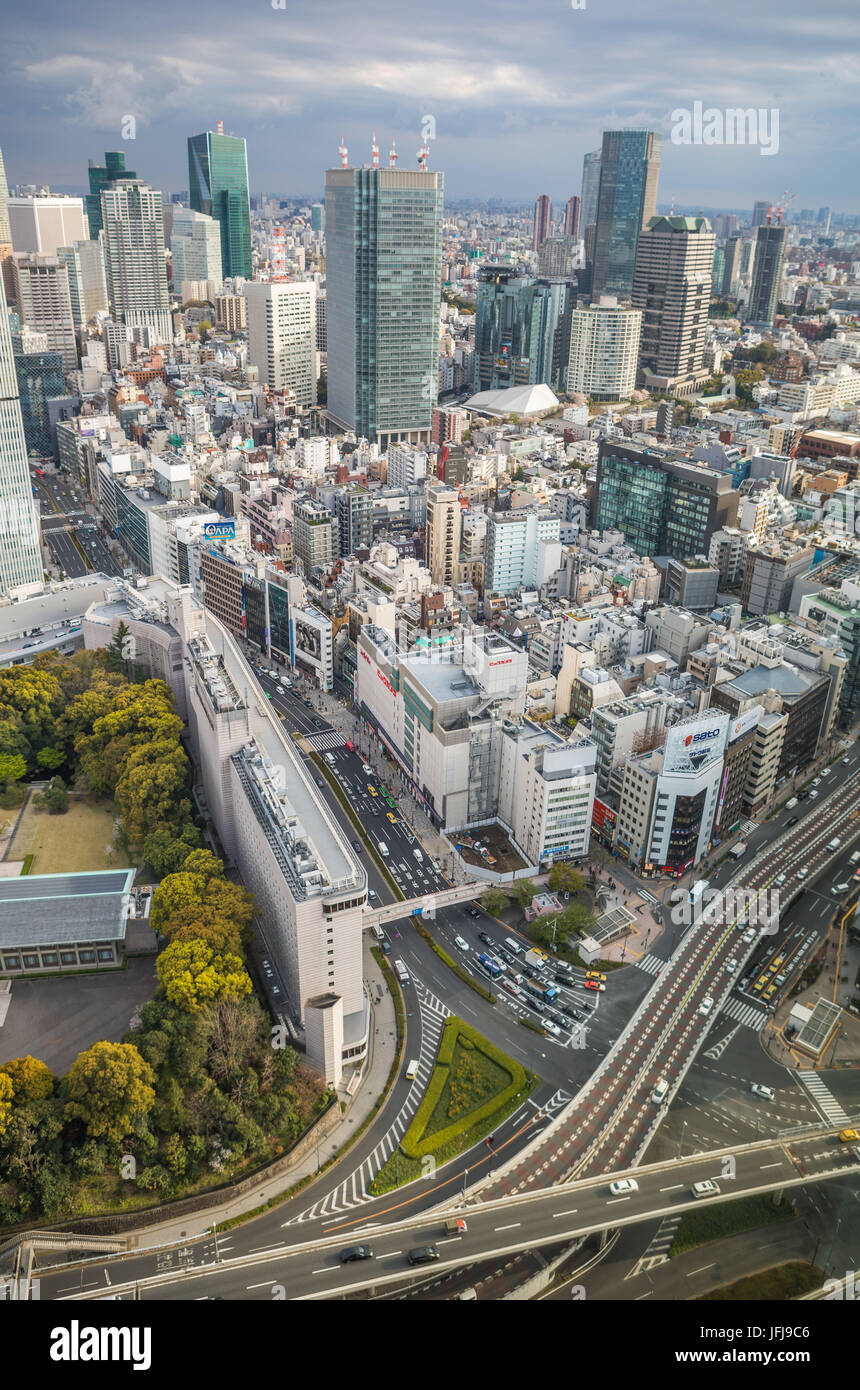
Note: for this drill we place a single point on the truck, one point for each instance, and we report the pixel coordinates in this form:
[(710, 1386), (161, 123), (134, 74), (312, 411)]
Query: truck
[(535, 958), (541, 991), (401, 972), (737, 850)]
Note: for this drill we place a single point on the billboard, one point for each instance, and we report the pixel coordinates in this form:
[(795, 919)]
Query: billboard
[(744, 722), (213, 529), (603, 817), (696, 743), (307, 640)]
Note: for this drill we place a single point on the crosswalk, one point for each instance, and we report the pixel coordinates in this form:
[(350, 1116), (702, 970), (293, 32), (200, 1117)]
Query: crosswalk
[(649, 897), (324, 743), (658, 1248), (353, 1191), (822, 1098), (652, 965), (750, 1015)]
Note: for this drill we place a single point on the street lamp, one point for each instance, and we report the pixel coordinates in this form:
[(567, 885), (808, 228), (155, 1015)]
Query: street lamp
[(215, 1234), (465, 1176), (681, 1140)]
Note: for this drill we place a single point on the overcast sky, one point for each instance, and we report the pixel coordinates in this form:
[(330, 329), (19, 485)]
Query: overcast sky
[(518, 92)]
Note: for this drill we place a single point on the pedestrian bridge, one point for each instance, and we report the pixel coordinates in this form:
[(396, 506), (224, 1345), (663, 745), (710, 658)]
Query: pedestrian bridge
[(427, 904)]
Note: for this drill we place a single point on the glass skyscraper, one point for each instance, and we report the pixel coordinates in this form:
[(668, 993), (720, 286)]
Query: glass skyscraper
[(629, 171), (767, 274), (383, 277), (41, 376), (102, 176), (218, 182), (20, 554), (518, 329)]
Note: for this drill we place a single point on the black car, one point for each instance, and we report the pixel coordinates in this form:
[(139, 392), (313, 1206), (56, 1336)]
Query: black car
[(473, 912), (356, 1252), (563, 978), (357, 846), (587, 1006), (573, 1015), (320, 782), (792, 820), (531, 973), (485, 936), (423, 1255)]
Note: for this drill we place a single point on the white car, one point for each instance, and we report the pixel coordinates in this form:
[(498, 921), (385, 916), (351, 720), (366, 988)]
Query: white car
[(825, 771), (461, 944), (550, 1027), (367, 769), (623, 1185), (816, 781), (706, 1005), (813, 794), (845, 761), (705, 1189), (731, 966), (763, 1092)]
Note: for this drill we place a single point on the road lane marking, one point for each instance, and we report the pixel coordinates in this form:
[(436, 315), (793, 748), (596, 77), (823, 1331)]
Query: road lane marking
[(762, 1166), (677, 1188), (702, 1270), (267, 1282), (327, 1270), (514, 1227), (391, 1255), (556, 1215)]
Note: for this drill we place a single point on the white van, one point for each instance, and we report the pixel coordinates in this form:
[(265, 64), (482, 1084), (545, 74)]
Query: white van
[(329, 757), (513, 945), (378, 932), (855, 858), (412, 1070), (383, 849), (658, 1095), (419, 857)]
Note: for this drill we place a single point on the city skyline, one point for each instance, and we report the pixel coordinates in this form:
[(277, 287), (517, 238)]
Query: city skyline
[(516, 125)]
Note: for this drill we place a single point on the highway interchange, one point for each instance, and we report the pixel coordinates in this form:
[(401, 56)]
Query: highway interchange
[(609, 1126)]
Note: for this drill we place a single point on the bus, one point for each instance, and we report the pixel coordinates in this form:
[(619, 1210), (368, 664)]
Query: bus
[(401, 972), (490, 967)]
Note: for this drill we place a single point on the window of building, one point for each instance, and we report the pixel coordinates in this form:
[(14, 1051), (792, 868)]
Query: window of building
[(68, 958), (105, 955), (11, 962), (86, 957), (50, 958), (31, 962)]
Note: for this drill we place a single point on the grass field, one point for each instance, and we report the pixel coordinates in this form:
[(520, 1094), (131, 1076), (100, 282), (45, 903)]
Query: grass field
[(69, 843), (775, 1285), (728, 1219)]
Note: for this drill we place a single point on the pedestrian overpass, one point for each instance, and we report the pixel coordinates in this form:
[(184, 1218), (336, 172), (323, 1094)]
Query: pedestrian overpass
[(427, 904)]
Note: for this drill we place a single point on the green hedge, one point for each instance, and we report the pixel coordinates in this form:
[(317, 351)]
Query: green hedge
[(413, 1144), (28, 864), (452, 964)]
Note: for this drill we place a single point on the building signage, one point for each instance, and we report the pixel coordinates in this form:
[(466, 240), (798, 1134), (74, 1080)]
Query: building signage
[(696, 744), (744, 722), (603, 817), (211, 529)]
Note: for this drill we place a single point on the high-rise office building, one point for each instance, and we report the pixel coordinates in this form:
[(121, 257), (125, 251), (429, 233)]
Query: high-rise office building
[(134, 255), (383, 272), (518, 329), (43, 223), (664, 506), (41, 377), (45, 303), (21, 569), (824, 221), (560, 257), (442, 537), (195, 246), (590, 189), (282, 335), (522, 548), (218, 178), (5, 233), (767, 274), (102, 176), (317, 217), (315, 535), (601, 350), (672, 287), (542, 220), (629, 172), (571, 216), (731, 264), (355, 519), (87, 281), (759, 212)]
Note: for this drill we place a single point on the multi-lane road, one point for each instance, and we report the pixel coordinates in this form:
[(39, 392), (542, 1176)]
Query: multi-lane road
[(70, 530)]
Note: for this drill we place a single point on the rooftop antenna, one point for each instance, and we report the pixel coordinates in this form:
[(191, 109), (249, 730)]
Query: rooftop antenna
[(423, 154), (344, 157), (393, 156), (374, 153), (220, 128)]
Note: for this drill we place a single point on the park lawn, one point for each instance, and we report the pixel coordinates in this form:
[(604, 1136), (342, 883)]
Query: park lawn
[(76, 841), (728, 1219), (776, 1285)]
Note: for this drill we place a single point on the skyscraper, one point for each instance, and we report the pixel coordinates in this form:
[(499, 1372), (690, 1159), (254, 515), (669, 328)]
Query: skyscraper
[(731, 264), (571, 216), (40, 377), (45, 303), (21, 569), (383, 273), (767, 273), (759, 212), (134, 255), (44, 222), (672, 287), (590, 190), (195, 245), (282, 335), (442, 537), (102, 176), (629, 171), (5, 234), (518, 324), (87, 280), (601, 350), (542, 220), (218, 180)]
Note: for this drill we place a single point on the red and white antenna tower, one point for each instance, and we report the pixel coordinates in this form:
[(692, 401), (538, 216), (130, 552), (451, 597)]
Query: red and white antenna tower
[(219, 129), (279, 254), (393, 156), (423, 154), (344, 156), (374, 153)]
